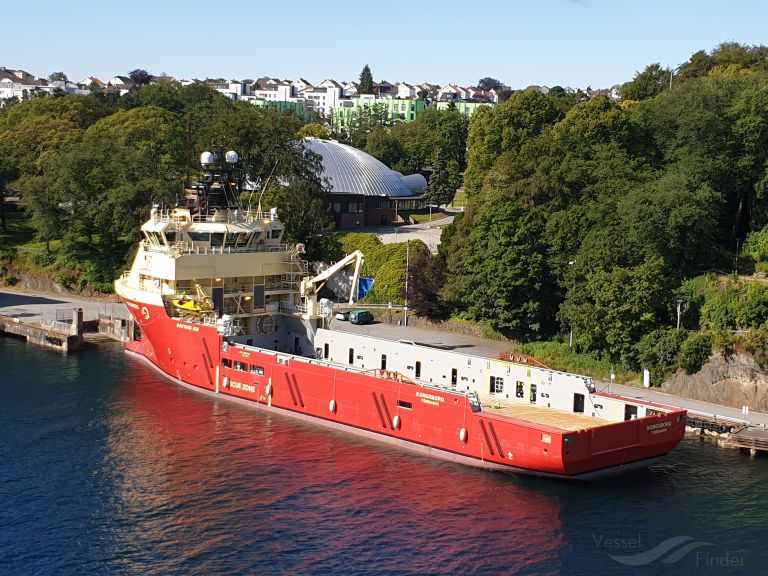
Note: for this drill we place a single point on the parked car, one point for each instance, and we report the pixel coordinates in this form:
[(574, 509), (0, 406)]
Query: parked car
[(360, 317), (342, 315)]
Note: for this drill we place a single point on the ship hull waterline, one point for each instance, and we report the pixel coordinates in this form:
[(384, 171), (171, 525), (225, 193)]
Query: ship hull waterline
[(161, 332)]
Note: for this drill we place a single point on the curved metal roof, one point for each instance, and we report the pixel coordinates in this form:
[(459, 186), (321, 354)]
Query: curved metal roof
[(352, 171)]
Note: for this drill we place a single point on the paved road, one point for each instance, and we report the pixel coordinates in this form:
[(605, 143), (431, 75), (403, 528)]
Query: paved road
[(653, 395), (429, 233), (483, 347), (31, 306)]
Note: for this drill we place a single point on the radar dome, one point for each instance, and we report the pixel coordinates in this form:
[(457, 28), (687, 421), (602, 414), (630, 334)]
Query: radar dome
[(231, 157), (206, 159)]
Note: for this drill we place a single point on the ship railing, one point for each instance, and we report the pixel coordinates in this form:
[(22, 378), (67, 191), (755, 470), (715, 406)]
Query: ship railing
[(185, 248)]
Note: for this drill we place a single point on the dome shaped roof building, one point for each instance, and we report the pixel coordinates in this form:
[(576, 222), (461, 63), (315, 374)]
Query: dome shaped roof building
[(364, 192)]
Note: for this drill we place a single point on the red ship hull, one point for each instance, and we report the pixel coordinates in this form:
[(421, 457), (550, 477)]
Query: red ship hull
[(440, 423)]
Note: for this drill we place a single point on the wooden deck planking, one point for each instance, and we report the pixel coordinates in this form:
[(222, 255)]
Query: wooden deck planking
[(541, 415)]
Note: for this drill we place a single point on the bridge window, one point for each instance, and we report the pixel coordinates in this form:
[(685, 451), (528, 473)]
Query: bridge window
[(199, 236), (226, 362), (258, 370), (241, 366)]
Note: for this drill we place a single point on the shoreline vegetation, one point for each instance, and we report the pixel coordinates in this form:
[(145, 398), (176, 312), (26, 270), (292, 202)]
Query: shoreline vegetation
[(584, 217)]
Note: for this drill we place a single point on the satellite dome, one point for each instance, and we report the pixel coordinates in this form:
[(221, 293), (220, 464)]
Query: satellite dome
[(207, 159), (231, 157)]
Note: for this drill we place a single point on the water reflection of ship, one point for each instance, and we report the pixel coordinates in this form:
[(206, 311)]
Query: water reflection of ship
[(238, 474)]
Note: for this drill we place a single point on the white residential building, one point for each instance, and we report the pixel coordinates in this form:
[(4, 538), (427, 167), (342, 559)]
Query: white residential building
[(405, 90)]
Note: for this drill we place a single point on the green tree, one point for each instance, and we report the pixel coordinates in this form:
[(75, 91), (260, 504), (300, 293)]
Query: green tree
[(365, 86), (8, 173), (140, 77), (501, 274), (58, 77), (646, 84), (383, 145), (427, 277), (439, 188), (304, 212), (493, 131), (488, 83), (615, 308), (314, 130)]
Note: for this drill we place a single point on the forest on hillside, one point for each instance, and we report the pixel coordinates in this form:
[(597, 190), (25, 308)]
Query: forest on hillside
[(602, 223), (601, 220)]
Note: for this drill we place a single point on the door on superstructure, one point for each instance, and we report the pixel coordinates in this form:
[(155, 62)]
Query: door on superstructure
[(533, 393), (578, 403), (383, 361), (630, 412), (217, 296), (454, 376)]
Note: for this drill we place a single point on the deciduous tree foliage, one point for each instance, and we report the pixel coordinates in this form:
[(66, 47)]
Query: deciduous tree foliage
[(622, 202)]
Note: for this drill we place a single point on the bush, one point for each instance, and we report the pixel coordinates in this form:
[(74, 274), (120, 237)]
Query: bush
[(694, 352), (756, 245), (64, 279), (8, 254), (10, 280), (756, 343), (659, 350), (43, 259)]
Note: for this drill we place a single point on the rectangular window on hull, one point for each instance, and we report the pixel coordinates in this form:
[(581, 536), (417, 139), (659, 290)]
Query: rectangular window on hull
[(404, 404)]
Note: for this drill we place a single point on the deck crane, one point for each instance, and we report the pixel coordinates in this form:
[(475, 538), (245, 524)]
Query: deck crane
[(310, 286)]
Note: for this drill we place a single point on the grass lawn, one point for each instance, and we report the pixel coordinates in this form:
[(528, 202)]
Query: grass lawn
[(20, 234), (420, 218), (460, 200)]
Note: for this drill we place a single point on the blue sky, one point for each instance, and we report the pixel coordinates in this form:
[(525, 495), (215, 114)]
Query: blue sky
[(575, 43)]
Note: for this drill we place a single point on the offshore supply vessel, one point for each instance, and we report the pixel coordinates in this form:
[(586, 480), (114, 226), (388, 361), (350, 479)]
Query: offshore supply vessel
[(222, 305)]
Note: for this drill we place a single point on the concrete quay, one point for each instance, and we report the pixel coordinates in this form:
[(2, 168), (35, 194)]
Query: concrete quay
[(61, 322)]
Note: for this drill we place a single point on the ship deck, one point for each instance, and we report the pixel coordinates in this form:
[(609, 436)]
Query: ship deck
[(541, 415)]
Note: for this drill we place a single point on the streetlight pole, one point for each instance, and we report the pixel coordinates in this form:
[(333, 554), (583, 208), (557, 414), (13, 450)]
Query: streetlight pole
[(570, 336), (405, 307)]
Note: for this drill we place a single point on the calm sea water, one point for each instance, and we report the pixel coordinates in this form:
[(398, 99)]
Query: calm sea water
[(106, 468)]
